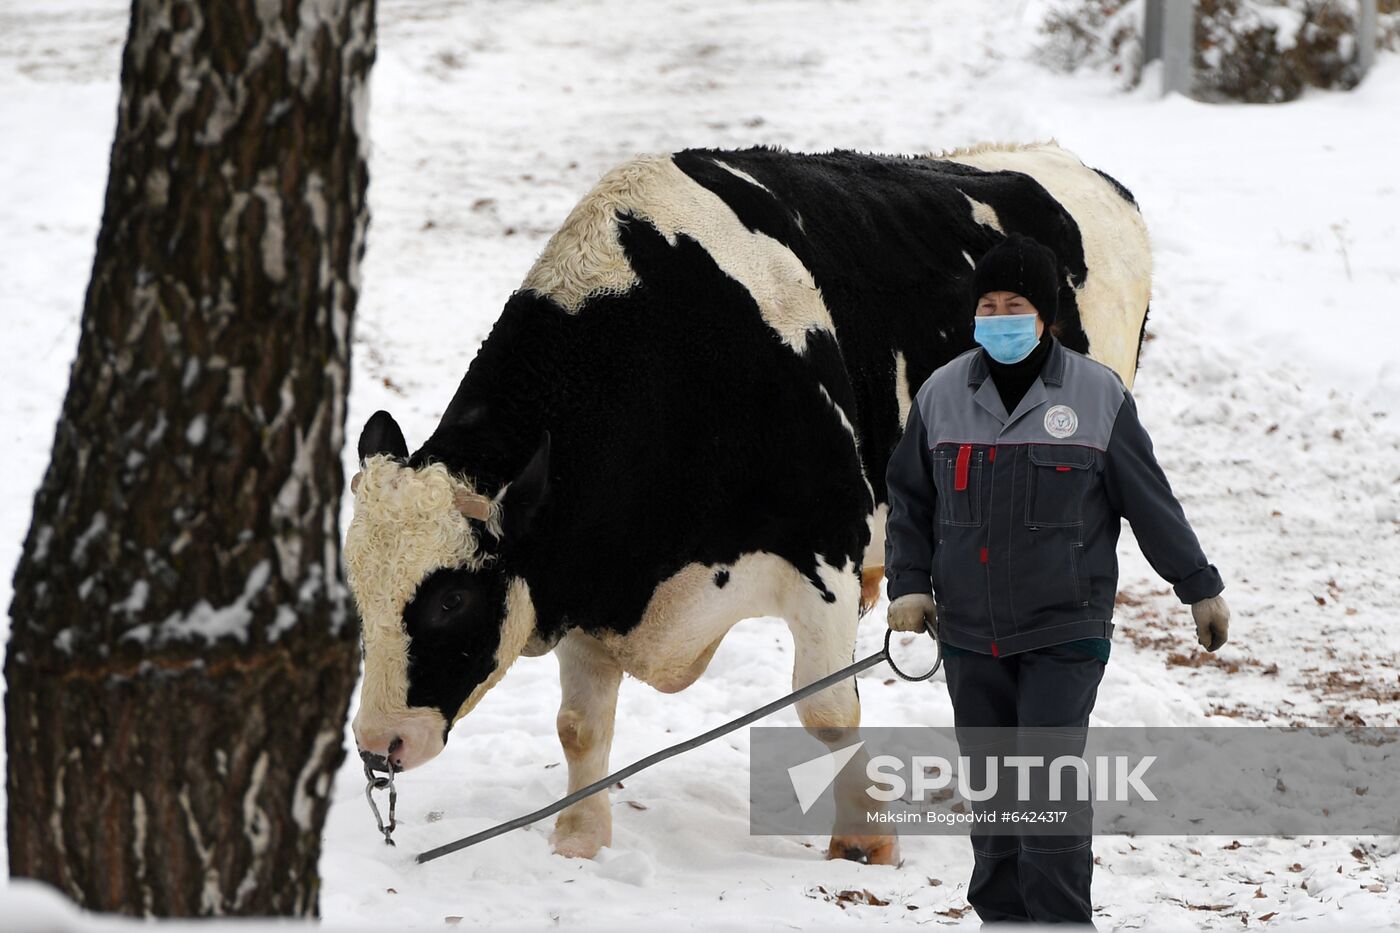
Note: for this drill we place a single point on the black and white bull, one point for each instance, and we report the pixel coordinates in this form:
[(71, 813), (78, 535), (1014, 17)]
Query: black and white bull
[(682, 419)]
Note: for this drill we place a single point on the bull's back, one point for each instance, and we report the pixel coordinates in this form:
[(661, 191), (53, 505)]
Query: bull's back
[(889, 244), (724, 345)]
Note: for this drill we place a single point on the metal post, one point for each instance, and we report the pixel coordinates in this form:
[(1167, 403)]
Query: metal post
[(1178, 46), (1366, 30), (1152, 31)]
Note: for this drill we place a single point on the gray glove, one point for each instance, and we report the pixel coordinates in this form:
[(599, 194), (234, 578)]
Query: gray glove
[(914, 612), (1212, 622)]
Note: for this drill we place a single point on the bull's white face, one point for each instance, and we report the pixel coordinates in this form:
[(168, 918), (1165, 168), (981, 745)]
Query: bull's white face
[(441, 622)]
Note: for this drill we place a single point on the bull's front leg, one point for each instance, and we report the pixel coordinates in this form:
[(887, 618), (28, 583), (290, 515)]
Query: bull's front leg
[(589, 677), (824, 635)]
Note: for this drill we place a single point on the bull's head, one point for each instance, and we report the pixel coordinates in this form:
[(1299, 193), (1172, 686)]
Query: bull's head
[(427, 558)]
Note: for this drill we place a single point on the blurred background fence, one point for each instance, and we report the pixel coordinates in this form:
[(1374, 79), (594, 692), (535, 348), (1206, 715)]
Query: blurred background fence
[(1257, 51)]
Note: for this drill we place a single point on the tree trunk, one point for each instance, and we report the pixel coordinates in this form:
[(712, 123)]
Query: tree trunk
[(183, 648)]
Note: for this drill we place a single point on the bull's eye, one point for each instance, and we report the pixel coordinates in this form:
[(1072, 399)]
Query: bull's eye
[(446, 602)]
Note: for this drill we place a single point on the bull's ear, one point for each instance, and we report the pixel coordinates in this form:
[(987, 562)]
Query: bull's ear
[(521, 500), (382, 436)]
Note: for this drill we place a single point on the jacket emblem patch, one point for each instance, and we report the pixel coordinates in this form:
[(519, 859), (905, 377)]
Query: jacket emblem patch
[(1061, 421)]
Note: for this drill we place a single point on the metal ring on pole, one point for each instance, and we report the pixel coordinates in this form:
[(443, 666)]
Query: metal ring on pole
[(889, 657)]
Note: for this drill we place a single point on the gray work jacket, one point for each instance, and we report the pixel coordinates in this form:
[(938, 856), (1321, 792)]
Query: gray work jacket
[(1012, 522)]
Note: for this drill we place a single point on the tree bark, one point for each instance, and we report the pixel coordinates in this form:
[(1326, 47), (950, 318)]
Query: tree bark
[(183, 648)]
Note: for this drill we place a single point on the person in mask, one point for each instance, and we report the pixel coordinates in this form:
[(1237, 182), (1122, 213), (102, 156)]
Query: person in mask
[(1018, 461)]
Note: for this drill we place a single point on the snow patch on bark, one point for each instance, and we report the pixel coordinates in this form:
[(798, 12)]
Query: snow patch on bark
[(273, 243), (135, 601), (94, 531), (302, 801), (138, 849), (206, 621), (255, 823), (211, 896), (197, 430), (42, 538), (285, 621), (157, 430)]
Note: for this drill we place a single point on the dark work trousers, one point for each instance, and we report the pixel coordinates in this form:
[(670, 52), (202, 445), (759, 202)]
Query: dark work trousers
[(1040, 879)]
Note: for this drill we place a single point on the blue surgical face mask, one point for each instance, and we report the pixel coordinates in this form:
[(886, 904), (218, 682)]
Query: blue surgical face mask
[(1007, 338)]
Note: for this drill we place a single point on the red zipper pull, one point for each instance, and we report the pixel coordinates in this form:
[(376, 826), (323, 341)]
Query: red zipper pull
[(960, 475)]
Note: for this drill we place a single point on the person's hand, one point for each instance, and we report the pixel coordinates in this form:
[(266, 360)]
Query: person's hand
[(1212, 621), (913, 612)]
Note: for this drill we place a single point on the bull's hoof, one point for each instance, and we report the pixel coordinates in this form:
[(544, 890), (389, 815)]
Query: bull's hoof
[(577, 836), (580, 846), (868, 850)]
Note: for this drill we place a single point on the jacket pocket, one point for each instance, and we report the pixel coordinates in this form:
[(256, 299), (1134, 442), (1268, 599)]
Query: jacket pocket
[(1081, 580), (959, 576), (1058, 483), (959, 487), (1049, 574)]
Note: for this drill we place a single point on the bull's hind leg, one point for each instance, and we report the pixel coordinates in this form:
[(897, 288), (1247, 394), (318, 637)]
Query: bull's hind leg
[(870, 579), (823, 628), (590, 677), (872, 573)]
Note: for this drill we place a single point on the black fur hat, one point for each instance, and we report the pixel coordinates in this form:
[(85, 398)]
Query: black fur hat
[(1022, 265)]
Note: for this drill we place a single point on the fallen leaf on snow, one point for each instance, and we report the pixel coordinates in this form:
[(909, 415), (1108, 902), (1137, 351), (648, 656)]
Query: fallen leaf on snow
[(848, 896)]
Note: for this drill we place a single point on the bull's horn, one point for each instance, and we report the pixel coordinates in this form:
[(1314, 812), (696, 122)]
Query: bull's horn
[(355, 483), (472, 505)]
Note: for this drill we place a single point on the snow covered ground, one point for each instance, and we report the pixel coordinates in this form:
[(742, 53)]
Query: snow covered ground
[(1269, 386)]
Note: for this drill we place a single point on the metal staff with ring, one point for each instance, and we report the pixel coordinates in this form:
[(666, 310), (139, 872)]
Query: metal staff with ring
[(816, 686)]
